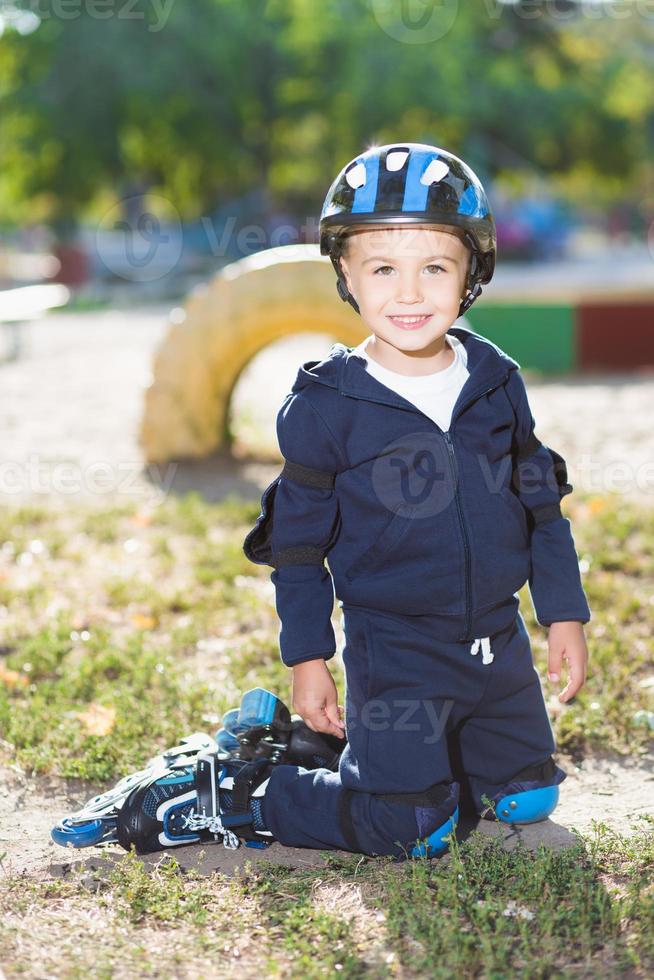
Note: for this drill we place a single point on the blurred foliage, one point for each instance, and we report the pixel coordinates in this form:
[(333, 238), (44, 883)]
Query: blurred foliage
[(203, 102)]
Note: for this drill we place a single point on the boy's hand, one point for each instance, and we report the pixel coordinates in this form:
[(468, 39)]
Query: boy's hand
[(315, 698), (567, 642)]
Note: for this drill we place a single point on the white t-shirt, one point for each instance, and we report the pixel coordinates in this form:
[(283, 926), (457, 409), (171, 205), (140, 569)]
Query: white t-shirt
[(434, 394)]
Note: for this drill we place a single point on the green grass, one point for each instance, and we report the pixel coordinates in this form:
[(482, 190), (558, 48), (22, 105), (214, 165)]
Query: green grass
[(111, 617), (159, 590), (585, 911), (155, 619)]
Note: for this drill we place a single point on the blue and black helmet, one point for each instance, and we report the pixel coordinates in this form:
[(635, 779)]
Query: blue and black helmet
[(405, 184)]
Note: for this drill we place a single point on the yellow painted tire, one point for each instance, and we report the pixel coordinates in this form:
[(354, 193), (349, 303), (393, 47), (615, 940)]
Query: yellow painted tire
[(222, 325)]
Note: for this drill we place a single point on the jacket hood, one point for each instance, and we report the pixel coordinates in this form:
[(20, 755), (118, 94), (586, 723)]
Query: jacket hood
[(346, 372)]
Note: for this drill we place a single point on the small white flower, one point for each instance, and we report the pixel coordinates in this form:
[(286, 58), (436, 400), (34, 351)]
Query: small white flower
[(513, 909)]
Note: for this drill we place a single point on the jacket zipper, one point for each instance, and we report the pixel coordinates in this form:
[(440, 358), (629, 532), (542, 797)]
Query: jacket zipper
[(455, 470), (466, 543)]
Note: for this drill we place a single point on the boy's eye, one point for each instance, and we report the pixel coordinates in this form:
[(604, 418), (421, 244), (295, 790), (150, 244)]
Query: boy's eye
[(430, 266)]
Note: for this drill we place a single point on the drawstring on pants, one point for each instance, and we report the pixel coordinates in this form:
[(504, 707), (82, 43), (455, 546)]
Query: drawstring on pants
[(486, 654)]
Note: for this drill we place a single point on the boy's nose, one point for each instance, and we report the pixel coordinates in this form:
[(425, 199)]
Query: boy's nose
[(409, 292)]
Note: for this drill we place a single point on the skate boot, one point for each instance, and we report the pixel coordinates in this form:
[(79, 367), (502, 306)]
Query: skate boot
[(160, 805), (212, 800), (97, 821)]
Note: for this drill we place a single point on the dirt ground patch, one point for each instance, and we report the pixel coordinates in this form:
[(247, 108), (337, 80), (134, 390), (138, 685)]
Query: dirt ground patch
[(606, 789)]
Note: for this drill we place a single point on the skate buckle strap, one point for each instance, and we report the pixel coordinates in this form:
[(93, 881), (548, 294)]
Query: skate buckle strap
[(208, 815), (197, 821), (242, 786), (487, 656)]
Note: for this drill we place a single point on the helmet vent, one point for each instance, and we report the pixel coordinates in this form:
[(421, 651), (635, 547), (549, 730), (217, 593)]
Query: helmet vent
[(356, 175), (436, 170), (395, 159)]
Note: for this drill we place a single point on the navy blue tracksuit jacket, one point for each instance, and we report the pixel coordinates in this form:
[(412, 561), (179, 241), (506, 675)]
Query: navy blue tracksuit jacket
[(428, 536), (411, 519)]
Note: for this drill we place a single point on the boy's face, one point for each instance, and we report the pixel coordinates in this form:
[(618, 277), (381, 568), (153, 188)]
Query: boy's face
[(410, 271)]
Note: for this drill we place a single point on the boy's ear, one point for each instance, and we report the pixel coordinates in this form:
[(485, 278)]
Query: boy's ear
[(346, 276)]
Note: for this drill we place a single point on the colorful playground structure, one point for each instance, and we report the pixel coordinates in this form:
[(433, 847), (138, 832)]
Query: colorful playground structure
[(553, 329)]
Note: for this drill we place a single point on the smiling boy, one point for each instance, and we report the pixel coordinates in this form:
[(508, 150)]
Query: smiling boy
[(412, 464)]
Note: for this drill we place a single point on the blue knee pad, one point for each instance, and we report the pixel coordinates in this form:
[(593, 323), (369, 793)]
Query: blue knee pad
[(530, 806), (435, 843), (434, 813)]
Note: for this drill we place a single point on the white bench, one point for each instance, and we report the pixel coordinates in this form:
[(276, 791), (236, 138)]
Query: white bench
[(23, 304)]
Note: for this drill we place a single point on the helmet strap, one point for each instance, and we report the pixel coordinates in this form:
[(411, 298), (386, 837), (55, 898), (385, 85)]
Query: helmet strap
[(341, 287), (470, 298), (474, 288)]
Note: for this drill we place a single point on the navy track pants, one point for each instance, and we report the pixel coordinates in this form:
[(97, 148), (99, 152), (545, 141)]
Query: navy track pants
[(420, 713)]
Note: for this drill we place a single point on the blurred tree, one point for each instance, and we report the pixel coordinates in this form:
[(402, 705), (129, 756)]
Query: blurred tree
[(204, 102)]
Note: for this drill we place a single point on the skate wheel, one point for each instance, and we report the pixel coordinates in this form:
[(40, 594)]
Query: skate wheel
[(230, 721), (257, 708), (226, 741), (78, 835)]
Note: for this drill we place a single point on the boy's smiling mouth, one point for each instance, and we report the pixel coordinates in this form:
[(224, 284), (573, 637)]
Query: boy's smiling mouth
[(410, 322)]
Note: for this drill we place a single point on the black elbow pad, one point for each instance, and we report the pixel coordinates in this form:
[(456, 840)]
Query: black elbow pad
[(258, 542), (560, 472)]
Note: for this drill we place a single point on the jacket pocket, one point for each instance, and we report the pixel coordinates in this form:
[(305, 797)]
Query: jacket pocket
[(391, 536), (258, 542), (500, 542)]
